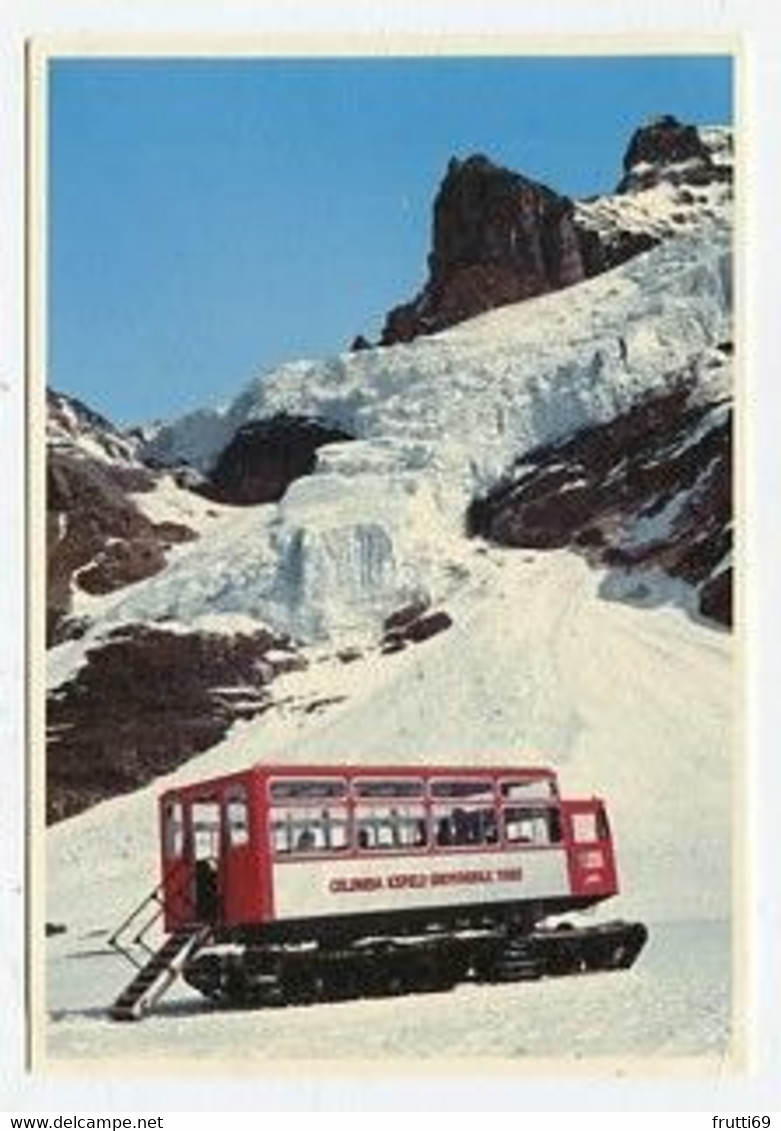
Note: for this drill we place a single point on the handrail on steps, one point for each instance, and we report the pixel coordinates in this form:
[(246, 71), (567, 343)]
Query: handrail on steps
[(154, 897)]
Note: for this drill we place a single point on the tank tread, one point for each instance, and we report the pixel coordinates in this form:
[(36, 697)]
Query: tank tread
[(575, 950), (388, 967), (510, 959)]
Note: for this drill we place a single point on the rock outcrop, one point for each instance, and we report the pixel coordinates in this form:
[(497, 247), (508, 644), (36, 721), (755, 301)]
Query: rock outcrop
[(648, 495), (98, 538), (148, 699), (498, 238), (665, 149), (72, 425), (265, 456), (413, 624)]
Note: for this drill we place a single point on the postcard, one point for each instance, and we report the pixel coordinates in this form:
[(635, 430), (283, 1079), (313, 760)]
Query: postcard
[(386, 697)]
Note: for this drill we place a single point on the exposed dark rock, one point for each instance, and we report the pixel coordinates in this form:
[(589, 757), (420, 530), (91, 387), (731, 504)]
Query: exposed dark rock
[(131, 480), (71, 423), (403, 617), (425, 627), (147, 700), (664, 141), (97, 539), (649, 490), (413, 624), (121, 563), (265, 457), (498, 237), (716, 597), (612, 247), (666, 149)]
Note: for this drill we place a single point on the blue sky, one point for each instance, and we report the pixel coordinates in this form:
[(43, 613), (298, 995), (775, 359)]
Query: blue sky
[(210, 218)]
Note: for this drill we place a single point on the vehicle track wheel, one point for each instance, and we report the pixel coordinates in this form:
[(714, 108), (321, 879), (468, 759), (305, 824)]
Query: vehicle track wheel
[(517, 963), (304, 986)]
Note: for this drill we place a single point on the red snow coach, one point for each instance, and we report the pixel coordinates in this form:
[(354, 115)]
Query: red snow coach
[(295, 884)]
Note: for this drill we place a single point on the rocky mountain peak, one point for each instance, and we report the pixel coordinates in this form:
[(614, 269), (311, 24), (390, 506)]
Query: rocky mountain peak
[(664, 149), (71, 425), (484, 212), (498, 237)]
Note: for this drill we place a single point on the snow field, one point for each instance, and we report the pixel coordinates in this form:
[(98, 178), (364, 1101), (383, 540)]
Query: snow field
[(630, 704), (674, 1003)]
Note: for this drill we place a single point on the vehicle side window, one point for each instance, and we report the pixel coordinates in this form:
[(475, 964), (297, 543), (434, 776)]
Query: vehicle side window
[(458, 826), (305, 830), (237, 818), (389, 827), (524, 825)]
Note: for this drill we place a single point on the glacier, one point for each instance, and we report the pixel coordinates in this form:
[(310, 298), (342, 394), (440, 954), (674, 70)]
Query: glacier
[(436, 421)]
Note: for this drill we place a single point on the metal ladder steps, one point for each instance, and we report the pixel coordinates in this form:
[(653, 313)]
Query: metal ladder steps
[(151, 982), (140, 984)]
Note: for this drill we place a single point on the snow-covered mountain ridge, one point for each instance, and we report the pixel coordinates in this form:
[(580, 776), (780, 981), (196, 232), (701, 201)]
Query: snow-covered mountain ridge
[(676, 179), (505, 381), (499, 237), (74, 427), (111, 521), (439, 420)]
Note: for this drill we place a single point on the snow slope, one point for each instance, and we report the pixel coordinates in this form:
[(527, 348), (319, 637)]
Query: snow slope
[(674, 1003), (631, 704)]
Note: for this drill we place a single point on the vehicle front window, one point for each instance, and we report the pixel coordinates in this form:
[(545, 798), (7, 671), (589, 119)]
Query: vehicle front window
[(174, 830), (584, 827)]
